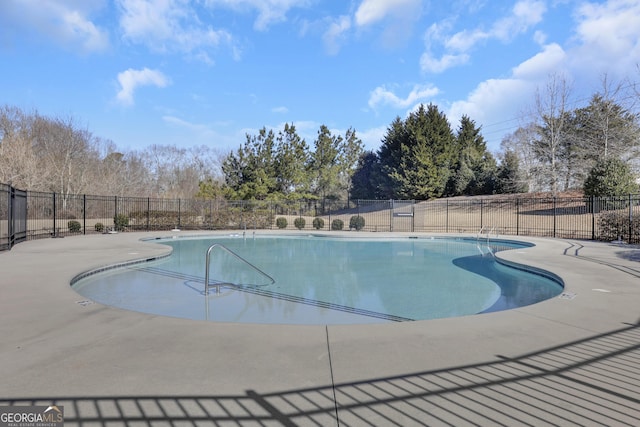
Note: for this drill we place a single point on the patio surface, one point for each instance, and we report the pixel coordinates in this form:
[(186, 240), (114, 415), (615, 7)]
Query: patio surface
[(571, 360)]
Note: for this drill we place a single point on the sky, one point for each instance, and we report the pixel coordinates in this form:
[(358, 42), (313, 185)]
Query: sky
[(208, 72)]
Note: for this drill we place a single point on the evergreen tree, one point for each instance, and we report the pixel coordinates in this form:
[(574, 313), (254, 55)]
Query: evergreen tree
[(292, 157), (251, 172), (365, 182), (509, 177), (473, 172), (390, 155), (610, 177), (350, 152), (324, 164), (416, 154), (211, 189)]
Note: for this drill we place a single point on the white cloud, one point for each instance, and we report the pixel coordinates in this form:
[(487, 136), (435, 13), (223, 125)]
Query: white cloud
[(540, 37), (64, 22), (465, 40), (524, 15), (383, 96), (399, 17), (431, 64), (606, 40), (269, 11), (493, 102), (90, 37), (437, 34), (608, 36), (280, 110), (372, 11), (541, 64), (131, 79), (335, 34), (169, 26), (202, 131), (371, 138)]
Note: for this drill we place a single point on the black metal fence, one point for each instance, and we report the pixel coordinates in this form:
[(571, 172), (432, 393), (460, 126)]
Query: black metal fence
[(32, 215), (13, 216)]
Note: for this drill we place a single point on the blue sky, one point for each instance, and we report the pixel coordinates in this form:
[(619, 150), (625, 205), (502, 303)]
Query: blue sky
[(206, 72)]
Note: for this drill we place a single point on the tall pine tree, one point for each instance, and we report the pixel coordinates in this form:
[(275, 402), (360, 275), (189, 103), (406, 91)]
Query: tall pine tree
[(474, 171), (416, 155)]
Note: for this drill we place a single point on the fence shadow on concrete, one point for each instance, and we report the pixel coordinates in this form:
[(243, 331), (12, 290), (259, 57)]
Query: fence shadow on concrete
[(591, 381)]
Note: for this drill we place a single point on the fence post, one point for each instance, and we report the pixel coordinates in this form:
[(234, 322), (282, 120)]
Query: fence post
[(554, 216), (391, 215), (446, 222), (630, 221), (10, 217), (592, 204), (517, 216), (84, 214), (413, 215), (55, 232), (481, 213)]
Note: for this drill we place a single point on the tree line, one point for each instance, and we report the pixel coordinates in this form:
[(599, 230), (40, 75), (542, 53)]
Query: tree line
[(420, 158), (56, 154), (595, 147), (283, 166), (559, 148)]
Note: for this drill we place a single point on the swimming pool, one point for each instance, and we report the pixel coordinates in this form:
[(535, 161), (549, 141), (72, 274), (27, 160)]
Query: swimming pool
[(322, 280)]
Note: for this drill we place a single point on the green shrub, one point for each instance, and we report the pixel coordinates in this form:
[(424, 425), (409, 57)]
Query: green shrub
[(614, 225), (609, 183), (74, 226), (356, 222), (281, 222), (120, 221), (99, 227), (610, 177), (299, 223), (318, 223), (337, 224)]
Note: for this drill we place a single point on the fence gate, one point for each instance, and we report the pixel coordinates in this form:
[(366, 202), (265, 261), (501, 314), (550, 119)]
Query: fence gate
[(402, 215), (17, 223)]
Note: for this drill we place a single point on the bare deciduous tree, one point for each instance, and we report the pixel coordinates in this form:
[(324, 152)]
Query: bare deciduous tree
[(522, 142), (177, 172), (551, 119), (19, 164), (40, 153)]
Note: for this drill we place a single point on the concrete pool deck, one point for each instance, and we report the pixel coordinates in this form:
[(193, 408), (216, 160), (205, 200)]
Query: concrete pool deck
[(571, 360)]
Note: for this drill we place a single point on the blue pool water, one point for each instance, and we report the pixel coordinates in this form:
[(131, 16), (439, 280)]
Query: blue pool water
[(322, 280)]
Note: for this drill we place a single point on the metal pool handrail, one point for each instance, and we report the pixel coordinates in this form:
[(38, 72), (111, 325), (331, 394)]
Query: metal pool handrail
[(488, 232), (208, 259)]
